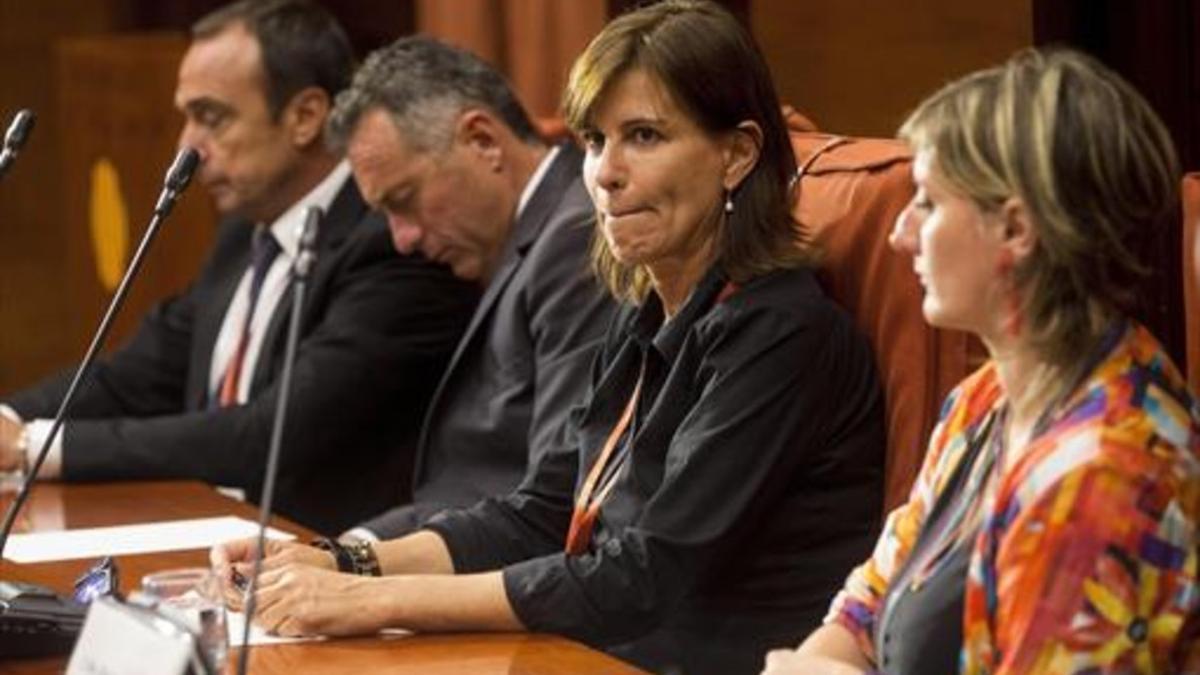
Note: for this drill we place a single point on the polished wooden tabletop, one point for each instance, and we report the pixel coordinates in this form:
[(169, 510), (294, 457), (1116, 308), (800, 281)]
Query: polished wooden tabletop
[(57, 507)]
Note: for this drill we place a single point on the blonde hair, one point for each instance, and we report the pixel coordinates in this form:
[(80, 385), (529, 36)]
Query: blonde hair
[(1090, 160), (713, 71)]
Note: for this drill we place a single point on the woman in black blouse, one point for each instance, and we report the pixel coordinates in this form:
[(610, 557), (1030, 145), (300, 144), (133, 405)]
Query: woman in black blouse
[(726, 468)]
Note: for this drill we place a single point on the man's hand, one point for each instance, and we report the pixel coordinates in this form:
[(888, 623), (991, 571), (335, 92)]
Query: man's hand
[(12, 457), (233, 563)]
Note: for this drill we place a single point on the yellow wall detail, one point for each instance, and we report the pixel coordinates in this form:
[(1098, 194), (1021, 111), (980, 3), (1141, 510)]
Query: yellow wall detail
[(109, 224)]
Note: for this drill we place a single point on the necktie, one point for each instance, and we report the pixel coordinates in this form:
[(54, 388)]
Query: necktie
[(264, 248)]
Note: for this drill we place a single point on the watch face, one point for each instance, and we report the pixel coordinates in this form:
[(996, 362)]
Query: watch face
[(101, 579)]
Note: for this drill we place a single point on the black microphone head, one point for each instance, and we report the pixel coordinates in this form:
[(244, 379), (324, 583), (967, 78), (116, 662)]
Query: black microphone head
[(180, 173), (18, 130)]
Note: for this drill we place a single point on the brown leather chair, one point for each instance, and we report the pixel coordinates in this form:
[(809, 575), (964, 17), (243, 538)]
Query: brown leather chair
[(848, 195), (552, 129), (1191, 278)]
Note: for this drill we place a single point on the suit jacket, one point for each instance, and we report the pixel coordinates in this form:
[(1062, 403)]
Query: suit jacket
[(523, 361), (376, 332)]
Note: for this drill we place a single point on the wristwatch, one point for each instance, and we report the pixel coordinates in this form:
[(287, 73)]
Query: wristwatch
[(355, 558)]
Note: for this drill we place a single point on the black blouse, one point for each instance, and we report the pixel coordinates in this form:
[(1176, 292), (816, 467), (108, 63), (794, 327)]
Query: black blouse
[(754, 483)]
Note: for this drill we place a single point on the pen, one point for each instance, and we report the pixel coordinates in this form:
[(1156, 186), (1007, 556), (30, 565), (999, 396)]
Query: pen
[(239, 580)]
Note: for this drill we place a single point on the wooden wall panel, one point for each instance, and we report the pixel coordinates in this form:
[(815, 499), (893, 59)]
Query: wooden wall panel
[(858, 66), (544, 38), (116, 105), (369, 23), (38, 322), (533, 42)]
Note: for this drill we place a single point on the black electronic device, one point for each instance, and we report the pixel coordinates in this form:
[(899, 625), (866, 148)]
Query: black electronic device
[(35, 621)]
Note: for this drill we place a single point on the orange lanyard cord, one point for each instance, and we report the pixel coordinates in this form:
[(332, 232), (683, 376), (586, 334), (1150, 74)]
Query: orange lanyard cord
[(586, 507)]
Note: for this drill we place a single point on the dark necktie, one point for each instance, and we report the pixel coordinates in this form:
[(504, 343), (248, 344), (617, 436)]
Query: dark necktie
[(264, 248)]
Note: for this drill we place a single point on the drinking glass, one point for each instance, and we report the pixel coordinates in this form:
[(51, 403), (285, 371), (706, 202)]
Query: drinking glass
[(192, 596)]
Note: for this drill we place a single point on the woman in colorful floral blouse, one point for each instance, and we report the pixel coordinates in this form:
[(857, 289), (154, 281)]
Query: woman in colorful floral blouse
[(1053, 527)]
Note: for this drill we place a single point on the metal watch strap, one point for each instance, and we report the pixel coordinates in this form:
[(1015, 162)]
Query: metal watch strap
[(355, 558), (362, 553)]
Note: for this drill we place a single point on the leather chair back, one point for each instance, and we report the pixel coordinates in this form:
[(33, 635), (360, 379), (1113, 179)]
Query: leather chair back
[(848, 195), (1191, 277)]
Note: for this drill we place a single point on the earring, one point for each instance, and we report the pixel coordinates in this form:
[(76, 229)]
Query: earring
[(728, 202)]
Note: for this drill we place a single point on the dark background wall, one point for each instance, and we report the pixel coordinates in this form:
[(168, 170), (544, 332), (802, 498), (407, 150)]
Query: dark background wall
[(1154, 45)]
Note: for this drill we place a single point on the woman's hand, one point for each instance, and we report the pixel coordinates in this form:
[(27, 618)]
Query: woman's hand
[(233, 563), (298, 599), (829, 650), (792, 662)]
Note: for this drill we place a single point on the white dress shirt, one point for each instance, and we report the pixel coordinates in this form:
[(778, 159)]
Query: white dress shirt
[(286, 229)]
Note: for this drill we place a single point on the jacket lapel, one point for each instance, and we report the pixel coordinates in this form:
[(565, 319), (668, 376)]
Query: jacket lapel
[(545, 200), (344, 214)]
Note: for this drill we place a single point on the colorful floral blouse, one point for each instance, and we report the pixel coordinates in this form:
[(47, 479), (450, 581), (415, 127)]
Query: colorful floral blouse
[(1085, 561)]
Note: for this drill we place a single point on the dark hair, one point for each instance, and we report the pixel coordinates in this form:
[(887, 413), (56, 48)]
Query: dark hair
[(424, 85), (712, 69), (302, 45), (1090, 160)]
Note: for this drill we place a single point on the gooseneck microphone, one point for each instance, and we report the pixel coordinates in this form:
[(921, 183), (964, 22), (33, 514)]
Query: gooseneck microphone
[(176, 180), (306, 257), (178, 176), (34, 621), (15, 137)]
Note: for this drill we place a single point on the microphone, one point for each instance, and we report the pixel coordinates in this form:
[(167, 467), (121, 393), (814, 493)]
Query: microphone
[(23, 614), (177, 178), (15, 137), (306, 258)]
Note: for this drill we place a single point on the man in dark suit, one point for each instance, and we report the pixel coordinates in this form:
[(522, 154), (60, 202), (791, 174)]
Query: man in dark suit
[(192, 394), (439, 143)]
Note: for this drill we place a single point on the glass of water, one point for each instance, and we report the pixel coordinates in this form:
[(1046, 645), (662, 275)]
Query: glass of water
[(192, 596)]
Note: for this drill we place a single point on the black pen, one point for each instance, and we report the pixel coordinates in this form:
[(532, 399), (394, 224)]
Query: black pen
[(239, 580)]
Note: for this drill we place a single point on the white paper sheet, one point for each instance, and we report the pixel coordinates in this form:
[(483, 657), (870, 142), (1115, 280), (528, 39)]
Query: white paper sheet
[(173, 535), (236, 623), (260, 637)]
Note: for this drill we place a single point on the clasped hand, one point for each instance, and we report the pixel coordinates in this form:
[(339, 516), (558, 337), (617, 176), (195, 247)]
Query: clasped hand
[(300, 592)]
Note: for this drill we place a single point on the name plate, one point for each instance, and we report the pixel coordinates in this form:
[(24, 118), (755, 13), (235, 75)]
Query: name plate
[(126, 639)]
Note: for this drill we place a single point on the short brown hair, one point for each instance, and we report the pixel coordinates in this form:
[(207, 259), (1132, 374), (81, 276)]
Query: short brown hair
[(711, 68), (1091, 161)]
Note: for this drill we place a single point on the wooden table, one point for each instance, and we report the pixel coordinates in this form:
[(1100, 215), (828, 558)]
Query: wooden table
[(54, 506)]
